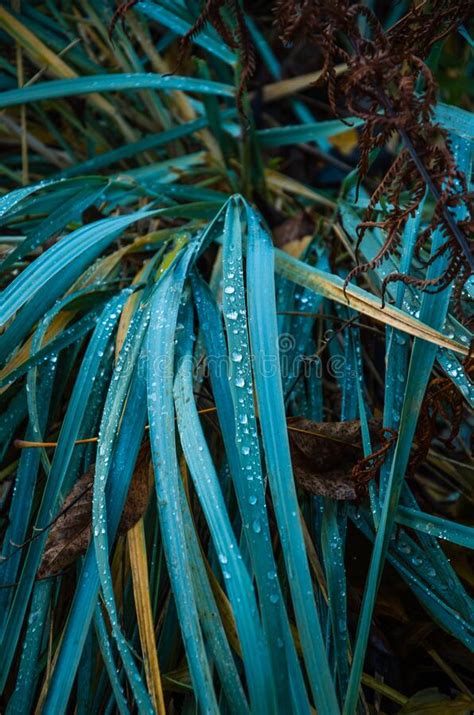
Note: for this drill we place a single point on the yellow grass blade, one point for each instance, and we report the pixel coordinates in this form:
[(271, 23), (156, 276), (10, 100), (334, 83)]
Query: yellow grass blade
[(141, 592), (332, 287), (58, 324), (287, 87), (131, 302), (284, 184), (383, 689)]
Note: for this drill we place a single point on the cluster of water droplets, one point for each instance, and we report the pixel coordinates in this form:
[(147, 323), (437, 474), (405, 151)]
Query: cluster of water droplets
[(240, 377)]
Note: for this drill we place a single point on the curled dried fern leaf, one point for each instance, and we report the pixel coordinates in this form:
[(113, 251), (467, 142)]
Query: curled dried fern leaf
[(389, 85)]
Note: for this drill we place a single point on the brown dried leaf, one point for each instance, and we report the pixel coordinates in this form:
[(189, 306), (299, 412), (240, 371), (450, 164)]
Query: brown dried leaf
[(70, 534), (325, 453)]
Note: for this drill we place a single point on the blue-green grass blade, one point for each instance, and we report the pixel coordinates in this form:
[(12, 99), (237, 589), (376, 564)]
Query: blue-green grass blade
[(109, 428), (160, 358), (456, 371), (264, 343), (460, 534), (73, 253), (332, 546), (179, 25), (455, 120), (12, 203), (249, 493), (334, 516), (67, 337), (109, 661), (62, 456), (67, 212), (86, 593), (213, 630), (22, 499), (435, 603), (10, 419), (85, 675), (237, 581), (243, 451), (433, 312), (132, 149), (300, 133), (21, 700), (8, 202), (60, 88)]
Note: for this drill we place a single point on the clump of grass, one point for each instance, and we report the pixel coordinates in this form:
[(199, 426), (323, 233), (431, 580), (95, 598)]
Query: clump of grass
[(175, 312)]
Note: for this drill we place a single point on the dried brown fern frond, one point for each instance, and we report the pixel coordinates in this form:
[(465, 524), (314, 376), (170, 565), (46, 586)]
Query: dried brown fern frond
[(390, 87), (211, 12), (119, 14), (367, 468), (233, 30), (442, 400)]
